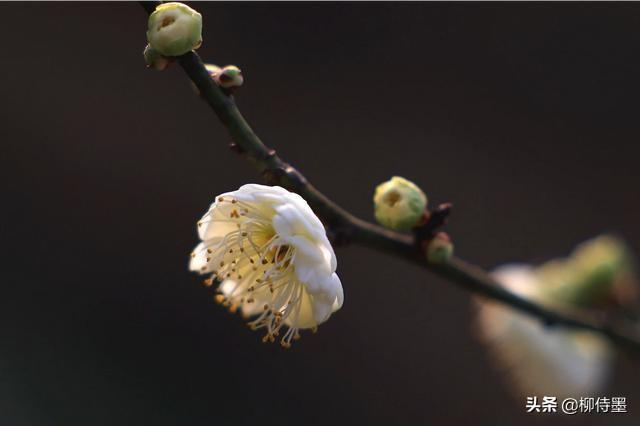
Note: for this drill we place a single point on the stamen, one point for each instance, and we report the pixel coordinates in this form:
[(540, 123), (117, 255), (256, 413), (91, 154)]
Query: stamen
[(264, 271)]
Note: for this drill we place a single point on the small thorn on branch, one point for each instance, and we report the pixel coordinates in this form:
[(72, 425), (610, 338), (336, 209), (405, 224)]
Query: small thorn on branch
[(285, 175), (295, 176)]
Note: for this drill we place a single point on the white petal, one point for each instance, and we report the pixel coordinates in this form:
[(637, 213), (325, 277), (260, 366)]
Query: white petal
[(218, 222), (227, 287), (291, 220), (546, 361), (540, 360), (337, 286), (519, 278), (323, 309), (312, 262), (199, 259)]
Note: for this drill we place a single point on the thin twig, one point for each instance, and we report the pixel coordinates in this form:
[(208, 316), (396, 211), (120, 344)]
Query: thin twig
[(346, 228)]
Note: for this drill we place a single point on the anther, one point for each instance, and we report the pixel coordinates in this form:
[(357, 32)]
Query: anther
[(285, 344)]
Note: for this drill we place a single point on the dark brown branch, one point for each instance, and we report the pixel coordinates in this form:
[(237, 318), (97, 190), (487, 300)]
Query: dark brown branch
[(344, 227)]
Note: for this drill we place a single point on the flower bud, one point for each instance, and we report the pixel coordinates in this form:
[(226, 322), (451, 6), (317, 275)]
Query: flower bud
[(154, 59), (399, 204), (439, 249), (229, 77), (174, 29), (598, 271)]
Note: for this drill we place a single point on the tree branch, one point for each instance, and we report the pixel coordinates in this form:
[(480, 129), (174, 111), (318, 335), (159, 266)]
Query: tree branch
[(344, 227)]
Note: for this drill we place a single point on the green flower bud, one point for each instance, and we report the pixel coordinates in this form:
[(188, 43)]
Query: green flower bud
[(154, 59), (399, 204), (174, 29), (594, 273), (439, 249), (229, 77)]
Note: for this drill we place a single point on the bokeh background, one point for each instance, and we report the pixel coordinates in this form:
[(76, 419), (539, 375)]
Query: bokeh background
[(525, 116)]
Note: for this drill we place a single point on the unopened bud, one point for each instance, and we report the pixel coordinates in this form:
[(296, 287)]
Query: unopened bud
[(439, 249), (174, 29), (230, 77), (154, 59), (399, 204)]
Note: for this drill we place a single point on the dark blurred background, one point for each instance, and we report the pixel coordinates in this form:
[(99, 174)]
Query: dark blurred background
[(524, 116)]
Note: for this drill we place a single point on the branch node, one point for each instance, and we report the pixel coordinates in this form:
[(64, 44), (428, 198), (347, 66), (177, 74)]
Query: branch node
[(432, 221), (270, 154), (237, 148), (273, 176), (297, 178)]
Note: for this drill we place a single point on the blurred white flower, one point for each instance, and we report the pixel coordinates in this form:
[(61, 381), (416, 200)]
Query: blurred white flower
[(541, 360), (273, 257)]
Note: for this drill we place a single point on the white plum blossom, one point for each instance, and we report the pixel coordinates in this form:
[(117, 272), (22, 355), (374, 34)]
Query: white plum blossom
[(541, 360), (273, 258)]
